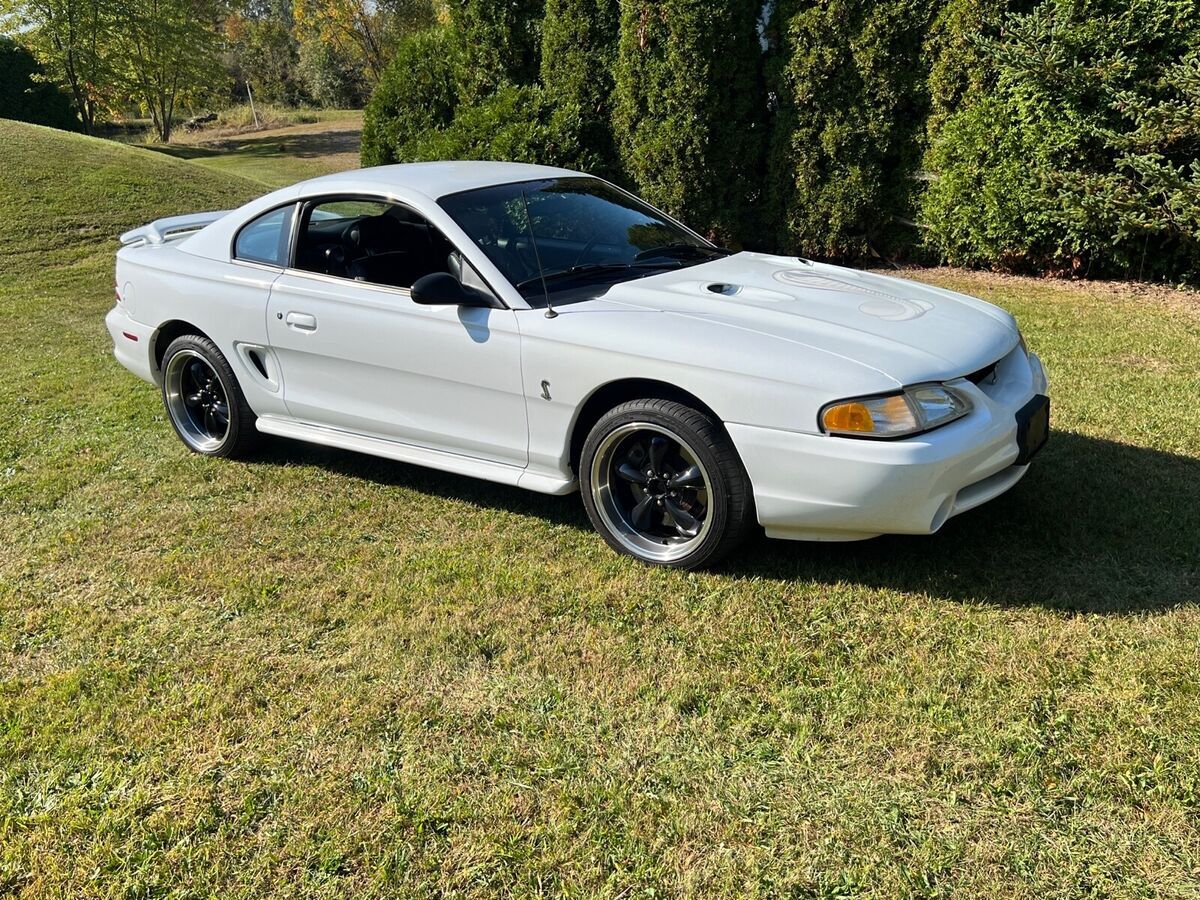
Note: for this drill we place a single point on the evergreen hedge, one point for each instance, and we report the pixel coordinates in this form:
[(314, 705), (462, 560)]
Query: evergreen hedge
[(851, 84), (416, 95), (579, 48), (496, 42), (1083, 156), (519, 123), (690, 110), (1058, 135)]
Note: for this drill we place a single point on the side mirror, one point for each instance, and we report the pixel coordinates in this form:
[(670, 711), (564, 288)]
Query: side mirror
[(443, 289)]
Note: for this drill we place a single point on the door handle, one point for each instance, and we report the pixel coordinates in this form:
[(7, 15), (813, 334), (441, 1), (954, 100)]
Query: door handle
[(301, 321)]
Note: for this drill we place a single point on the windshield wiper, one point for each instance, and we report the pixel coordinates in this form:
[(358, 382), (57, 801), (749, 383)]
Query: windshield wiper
[(590, 269), (681, 249)]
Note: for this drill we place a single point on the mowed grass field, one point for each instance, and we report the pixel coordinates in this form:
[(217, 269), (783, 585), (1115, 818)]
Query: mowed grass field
[(278, 156), (323, 675)]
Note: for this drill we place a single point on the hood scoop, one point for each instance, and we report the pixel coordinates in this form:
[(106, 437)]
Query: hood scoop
[(723, 288)]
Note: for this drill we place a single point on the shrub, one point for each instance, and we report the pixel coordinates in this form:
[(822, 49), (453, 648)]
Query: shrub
[(579, 39), (518, 123), (331, 78), (26, 96), (1084, 156), (846, 148), (415, 95), (496, 43), (690, 110)]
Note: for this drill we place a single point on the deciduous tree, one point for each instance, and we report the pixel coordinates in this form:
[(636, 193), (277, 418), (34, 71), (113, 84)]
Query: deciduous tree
[(170, 49), (73, 40)]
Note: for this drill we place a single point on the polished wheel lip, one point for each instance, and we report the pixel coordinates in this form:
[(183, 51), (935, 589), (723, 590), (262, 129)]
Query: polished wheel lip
[(617, 519), (196, 408)]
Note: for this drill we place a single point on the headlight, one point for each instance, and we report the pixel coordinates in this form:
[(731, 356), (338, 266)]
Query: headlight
[(912, 411)]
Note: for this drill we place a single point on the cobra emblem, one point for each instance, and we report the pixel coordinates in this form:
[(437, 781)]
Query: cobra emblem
[(879, 304)]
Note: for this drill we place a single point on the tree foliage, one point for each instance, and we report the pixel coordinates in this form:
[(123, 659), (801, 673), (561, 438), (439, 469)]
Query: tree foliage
[(366, 31), (415, 95), (264, 54), (690, 110), (852, 90), (331, 78), (579, 44), (73, 40), (496, 43), (170, 49), (1083, 157), (26, 95), (521, 123)]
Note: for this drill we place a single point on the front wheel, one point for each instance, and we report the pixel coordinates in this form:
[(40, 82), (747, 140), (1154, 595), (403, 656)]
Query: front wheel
[(663, 483)]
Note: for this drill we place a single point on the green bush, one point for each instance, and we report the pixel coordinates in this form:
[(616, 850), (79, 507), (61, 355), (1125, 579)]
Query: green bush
[(1083, 158), (579, 48), (496, 43), (414, 97), (518, 123), (960, 66), (851, 83), (984, 206), (25, 96), (690, 110), (330, 78)]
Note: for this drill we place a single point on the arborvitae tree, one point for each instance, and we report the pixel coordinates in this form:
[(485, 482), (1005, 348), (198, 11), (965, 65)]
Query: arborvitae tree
[(690, 110), (497, 43), (851, 85), (960, 66), (415, 95), (579, 49), (26, 96), (520, 123)]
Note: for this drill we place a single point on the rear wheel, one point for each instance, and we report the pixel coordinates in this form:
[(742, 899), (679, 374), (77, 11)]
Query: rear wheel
[(662, 482), (204, 401)]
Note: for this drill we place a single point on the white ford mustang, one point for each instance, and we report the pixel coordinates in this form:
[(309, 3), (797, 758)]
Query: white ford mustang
[(542, 328)]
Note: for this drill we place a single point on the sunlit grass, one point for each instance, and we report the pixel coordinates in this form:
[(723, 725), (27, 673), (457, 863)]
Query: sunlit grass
[(320, 674)]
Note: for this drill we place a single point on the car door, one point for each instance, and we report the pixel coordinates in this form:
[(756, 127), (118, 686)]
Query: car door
[(363, 357)]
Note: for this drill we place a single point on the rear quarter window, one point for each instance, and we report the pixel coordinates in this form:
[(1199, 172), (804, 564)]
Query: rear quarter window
[(265, 239)]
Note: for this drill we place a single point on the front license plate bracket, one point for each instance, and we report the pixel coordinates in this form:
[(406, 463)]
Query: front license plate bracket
[(1033, 428)]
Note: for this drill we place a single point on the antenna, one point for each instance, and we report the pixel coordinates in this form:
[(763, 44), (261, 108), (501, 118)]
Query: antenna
[(550, 313)]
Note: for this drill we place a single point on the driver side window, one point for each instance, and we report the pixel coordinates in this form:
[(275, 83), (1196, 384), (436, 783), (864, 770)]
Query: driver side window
[(372, 241)]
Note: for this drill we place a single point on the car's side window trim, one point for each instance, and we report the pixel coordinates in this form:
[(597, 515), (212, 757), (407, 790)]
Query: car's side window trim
[(300, 217), (287, 232)]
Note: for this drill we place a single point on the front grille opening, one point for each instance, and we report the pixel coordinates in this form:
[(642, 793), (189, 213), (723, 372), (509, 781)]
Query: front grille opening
[(987, 373)]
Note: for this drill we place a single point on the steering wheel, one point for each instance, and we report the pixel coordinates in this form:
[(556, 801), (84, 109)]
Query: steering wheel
[(523, 256)]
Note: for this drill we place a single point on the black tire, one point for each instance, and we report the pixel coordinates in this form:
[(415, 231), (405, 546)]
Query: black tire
[(204, 402), (654, 510)]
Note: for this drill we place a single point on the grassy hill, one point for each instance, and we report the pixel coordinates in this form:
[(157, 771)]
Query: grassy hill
[(323, 675), (60, 191)]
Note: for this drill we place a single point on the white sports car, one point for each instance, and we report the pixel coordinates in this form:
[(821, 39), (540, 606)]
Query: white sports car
[(542, 328)]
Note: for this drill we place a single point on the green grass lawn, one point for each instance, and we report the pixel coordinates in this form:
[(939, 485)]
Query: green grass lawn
[(278, 156), (319, 674)]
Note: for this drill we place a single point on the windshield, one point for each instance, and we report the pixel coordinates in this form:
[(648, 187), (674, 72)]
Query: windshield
[(587, 235)]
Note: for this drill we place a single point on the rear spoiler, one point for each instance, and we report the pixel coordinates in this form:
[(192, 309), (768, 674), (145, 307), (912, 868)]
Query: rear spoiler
[(162, 230)]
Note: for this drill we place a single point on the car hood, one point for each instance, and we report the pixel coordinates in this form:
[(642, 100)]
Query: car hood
[(908, 331)]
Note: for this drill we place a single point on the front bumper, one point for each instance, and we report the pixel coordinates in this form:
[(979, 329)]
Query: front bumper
[(826, 488)]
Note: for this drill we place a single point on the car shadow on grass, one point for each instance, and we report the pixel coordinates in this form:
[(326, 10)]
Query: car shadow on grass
[(1095, 526)]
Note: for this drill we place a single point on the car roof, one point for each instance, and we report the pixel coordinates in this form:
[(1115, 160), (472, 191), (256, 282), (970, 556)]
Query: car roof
[(433, 179)]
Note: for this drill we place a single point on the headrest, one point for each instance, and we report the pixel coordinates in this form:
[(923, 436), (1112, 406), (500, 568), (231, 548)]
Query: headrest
[(376, 232)]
